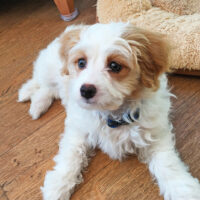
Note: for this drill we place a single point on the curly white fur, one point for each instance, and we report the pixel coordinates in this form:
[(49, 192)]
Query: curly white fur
[(150, 136)]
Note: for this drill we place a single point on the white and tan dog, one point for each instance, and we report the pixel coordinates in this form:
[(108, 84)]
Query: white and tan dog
[(111, 80)]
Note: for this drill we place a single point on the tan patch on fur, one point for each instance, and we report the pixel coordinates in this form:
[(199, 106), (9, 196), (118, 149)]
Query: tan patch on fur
[(152, 54), (68, 40), (122, 61), (136, 93)]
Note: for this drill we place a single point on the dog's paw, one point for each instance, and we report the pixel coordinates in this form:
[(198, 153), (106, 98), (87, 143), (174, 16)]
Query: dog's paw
[(40, 102), (36, 110), (39, 106), (184, 197), (27, 90), (56, 187), (187, 191)]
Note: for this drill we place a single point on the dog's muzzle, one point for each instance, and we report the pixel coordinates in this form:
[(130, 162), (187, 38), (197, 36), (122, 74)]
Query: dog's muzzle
[(88, 91)]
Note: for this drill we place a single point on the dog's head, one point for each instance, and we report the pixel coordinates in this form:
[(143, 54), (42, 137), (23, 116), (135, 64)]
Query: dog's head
[(111, 63)]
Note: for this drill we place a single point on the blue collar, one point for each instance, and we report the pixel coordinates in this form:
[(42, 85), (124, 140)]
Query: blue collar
[(116, 123)]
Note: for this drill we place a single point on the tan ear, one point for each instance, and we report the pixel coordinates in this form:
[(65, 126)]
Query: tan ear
[(68, 40), (152, 54)]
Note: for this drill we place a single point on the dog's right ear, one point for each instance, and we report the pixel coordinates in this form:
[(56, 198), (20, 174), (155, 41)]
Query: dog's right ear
[(68, 40), (152, 52)]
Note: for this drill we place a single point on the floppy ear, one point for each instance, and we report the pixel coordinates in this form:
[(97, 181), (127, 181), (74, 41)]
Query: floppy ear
[(152, 54), (68, 40)]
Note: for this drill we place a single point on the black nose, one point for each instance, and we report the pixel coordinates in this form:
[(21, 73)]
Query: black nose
[(88, 91)]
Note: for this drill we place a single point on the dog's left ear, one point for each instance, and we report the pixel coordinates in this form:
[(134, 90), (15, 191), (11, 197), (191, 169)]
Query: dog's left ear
[(68, 40), (151, 51)]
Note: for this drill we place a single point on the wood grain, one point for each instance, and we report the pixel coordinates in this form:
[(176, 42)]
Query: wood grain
[(27, 147)]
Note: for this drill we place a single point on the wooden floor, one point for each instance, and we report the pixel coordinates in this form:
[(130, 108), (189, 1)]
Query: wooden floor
[(27, 147)]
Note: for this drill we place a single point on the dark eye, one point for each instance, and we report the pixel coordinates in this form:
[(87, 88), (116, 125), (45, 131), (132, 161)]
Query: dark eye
[(115, 67), (82, 63)]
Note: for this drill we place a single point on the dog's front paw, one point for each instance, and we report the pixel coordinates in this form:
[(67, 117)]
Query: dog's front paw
[(184, 192), (56, 187), (183, 197)]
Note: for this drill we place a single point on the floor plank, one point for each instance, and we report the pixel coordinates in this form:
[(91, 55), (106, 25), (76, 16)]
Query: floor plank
[(186, 115)]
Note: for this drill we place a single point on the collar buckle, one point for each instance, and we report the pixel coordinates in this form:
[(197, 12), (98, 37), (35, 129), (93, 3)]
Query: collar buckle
[(116, 123)]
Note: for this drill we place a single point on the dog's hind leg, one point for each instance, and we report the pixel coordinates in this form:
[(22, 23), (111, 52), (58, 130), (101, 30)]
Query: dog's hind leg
[(43, 88), (41, 101), (27, 90), (41, 97)]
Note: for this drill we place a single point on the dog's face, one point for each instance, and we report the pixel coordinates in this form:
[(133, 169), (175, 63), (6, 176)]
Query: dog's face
[(111, 63)]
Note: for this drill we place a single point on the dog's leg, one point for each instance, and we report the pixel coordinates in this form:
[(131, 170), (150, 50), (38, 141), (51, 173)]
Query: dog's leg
[(43, 87), (71, 159), (27, 90), (41, 97), (173, 178), (40, 102)]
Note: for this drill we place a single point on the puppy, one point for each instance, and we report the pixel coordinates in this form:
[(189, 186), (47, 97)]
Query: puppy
[(110, 78)]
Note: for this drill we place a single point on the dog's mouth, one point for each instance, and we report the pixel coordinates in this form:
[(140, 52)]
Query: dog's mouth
[(88, 103), (93, 104)]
